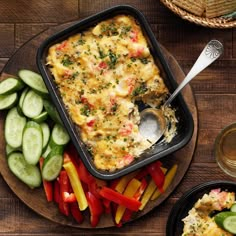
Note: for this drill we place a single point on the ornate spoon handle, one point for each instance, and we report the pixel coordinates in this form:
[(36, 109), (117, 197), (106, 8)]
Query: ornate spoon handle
[(210, 53)]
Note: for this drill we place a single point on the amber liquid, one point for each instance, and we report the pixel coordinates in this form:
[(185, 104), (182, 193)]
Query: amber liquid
[(228, 146), (225, 150)]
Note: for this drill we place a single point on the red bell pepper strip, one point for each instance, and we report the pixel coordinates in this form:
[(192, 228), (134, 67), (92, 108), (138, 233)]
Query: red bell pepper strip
[(107, 206), (120, 199), (128, 213), (141, 174), (84, 175), (76, 213), (47, 185), (64, 187), (95, 207), (154, 169), (68, 197), (56, 191)]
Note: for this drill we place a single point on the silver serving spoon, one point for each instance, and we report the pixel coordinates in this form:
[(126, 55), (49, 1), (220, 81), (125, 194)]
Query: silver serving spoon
[(153, 123)]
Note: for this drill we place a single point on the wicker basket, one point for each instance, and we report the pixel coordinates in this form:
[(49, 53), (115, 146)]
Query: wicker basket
[(217, 22)]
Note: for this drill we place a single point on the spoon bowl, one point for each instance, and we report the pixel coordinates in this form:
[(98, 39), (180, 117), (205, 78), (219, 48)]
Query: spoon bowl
[(153, 122)]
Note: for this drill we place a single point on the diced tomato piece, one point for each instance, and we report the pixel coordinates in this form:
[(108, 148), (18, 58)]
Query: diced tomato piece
[(102, 65), (126, 129), (91, 123), (128, 159), (134, 36), (62, 45)]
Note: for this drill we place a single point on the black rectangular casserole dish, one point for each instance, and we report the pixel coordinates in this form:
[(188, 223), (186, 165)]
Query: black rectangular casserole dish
[(160, 149)]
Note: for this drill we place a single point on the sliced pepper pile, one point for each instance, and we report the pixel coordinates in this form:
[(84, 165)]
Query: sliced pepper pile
[(76, 190)]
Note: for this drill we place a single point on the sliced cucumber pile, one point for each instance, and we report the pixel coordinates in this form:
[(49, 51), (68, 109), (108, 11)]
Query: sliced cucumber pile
[(227, 221), (33, 129)]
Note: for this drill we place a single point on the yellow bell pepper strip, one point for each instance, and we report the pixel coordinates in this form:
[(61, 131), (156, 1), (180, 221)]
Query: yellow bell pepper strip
[(76, 185), (121, 185), (130, 190), (120, 199), (168, 179), (151, 188), (147, 194)]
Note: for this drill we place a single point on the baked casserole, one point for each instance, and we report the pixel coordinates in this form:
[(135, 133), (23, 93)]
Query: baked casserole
[(102, 74)]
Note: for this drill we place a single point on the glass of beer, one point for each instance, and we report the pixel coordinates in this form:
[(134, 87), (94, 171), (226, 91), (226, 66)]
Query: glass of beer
[(225, 150)]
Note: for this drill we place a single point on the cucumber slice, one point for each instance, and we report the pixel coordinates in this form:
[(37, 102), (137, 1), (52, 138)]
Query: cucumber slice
[(29, 174), (53, 163), (59, 136), (32, 104), (14, 126), (34, 80), (233, 208), (32, 143), (46, 134), (220, 217), (230, 224), (22, 97), (10, 149), (47, 151), (52, 112), (10, 85), (8, 101), (41, 117)]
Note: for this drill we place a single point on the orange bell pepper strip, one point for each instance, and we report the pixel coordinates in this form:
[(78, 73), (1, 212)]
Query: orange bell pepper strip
[(168, 179), (47, 185), (130, 191), (119, 198), (76, 185)]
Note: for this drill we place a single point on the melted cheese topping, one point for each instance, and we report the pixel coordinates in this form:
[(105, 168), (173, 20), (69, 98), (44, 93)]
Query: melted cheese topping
[(100, 74)]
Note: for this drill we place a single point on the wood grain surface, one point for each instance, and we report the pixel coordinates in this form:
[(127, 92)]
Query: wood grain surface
[(214, 89)]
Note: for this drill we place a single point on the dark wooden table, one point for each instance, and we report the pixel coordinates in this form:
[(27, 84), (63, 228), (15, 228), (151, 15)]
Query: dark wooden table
[(214, 89)]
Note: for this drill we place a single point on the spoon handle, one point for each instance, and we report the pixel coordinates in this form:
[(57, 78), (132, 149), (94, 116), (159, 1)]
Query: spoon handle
[(210, 53)]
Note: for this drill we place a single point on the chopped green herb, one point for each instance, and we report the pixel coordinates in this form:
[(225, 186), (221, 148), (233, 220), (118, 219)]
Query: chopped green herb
[(113, 59), (66, 61), (144, 60), (85, 110), (81, 41), (140, 90), (125, 30)]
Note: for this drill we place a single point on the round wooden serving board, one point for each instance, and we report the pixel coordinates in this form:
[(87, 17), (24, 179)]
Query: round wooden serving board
[(25, 57)]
